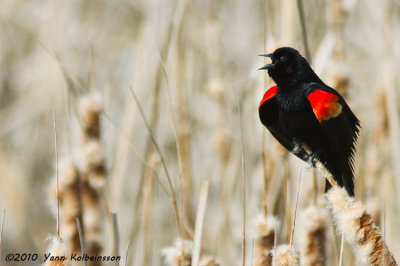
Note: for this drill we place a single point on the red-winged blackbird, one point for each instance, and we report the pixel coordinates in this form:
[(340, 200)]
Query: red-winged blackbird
[(309, 118)]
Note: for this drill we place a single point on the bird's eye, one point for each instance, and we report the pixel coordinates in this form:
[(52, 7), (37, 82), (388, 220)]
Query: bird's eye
[(282, 58)]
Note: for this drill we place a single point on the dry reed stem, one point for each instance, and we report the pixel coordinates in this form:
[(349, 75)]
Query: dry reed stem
[(81, 240), (264, 227), (115, 234), (1, 232), (172, 195), (150, 143), (57, 180), (312, 236), (341, 252), (127, 253), (58, 252), (285, 255), (300, 10), (201, 209), (148, 187), (243, 171), (183, 136), (355, 223), (295, 211)]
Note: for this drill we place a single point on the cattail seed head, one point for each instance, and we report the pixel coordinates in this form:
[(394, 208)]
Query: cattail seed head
[(180, 254), (58, 251), (284, 255), (264, 227), (89, 111), (355, 223), (92, 164), (312, 235)]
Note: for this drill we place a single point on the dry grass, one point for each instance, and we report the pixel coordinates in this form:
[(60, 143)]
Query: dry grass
[(182, 59)]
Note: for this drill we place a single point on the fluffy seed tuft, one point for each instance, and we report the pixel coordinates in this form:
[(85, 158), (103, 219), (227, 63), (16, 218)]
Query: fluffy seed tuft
[(284, 255), (355, 223)]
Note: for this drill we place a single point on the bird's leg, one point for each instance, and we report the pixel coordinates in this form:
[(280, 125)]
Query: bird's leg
[(302, 151), (314, 158)]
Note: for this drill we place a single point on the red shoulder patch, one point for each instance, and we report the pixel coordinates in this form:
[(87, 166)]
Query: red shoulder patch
[(268, 95), (324, 104)]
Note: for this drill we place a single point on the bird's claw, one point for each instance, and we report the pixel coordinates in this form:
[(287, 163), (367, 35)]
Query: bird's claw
[(312, 159)]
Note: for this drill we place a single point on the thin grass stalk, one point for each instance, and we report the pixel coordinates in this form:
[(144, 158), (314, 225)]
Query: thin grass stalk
[(300, 9), (1, 232), (81, 239), (295, 210), (127, 253), (146, 217), (341, 250), (171, 187), (201, 209), (115, 235), (183, 135), (182, 140), (243, 168), (155, 96), (57, 179)]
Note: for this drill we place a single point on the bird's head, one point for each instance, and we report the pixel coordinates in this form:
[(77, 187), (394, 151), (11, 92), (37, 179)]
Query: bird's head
[(288, 67)]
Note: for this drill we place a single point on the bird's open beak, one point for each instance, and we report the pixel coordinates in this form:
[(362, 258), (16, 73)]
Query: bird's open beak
[(268, 66)]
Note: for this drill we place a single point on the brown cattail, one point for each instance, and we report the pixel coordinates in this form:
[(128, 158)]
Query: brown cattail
[(180, 254), (284, 255), (92, 219), (57, 253), (89, 111), (312, 236), (92, 164), (264, 227), (209, 261), (354, 222), (93, 174), (70, 203)]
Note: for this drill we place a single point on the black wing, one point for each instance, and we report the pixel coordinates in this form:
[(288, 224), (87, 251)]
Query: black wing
[(269, 112), (341, 128)]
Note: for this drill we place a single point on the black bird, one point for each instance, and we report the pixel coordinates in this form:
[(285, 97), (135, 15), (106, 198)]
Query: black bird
[(309, 118)]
